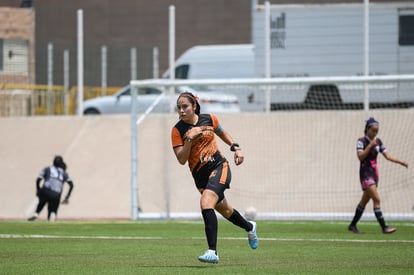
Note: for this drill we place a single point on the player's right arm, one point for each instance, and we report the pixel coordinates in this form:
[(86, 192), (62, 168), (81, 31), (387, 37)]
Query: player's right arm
[(182, 145), (362, 153), (41, 176), (38, 180), (183, 152)]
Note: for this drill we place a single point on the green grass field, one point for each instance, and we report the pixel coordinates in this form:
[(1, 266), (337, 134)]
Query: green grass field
[(172, 247)]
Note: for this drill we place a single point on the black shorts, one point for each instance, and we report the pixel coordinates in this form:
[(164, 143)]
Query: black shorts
[(51, 198), (218, 180)]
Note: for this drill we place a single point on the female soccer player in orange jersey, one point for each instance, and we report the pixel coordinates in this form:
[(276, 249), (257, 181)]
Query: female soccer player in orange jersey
[(193, 141)]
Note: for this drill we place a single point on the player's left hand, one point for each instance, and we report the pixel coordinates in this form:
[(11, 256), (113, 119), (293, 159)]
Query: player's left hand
[(238, 157)]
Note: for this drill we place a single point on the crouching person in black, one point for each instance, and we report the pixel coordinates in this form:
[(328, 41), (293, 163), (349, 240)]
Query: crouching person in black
[(50, 192)]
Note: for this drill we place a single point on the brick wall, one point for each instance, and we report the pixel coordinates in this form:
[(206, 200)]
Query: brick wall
[(19, 24)]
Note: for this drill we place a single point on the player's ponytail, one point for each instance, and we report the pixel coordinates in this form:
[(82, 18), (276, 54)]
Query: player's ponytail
[(369, 123)]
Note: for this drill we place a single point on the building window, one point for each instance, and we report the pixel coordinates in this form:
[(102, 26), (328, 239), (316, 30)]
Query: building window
[(406, 30), (14, 56)]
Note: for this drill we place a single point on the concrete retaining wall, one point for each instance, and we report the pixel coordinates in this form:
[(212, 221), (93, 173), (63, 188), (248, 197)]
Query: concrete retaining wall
[(302, 162)]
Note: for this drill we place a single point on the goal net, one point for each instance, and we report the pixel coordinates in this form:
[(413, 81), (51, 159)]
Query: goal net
[(299, 139)]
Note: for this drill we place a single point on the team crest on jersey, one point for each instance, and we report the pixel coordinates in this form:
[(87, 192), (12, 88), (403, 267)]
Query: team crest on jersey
[(213, 174)]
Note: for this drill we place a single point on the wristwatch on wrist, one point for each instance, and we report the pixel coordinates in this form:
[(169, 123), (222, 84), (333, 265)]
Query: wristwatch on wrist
[(234, 147)]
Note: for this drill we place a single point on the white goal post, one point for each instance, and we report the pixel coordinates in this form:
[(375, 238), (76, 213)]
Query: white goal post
[(301, 161), (277, 81)]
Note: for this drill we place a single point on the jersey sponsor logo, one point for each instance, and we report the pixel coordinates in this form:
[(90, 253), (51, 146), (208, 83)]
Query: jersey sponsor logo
[(203, 158)]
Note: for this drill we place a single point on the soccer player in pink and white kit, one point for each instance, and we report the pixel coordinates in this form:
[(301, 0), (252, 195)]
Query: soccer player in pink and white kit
[(368, 148)]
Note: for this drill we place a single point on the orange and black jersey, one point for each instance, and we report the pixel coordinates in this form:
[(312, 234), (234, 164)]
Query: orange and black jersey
[(204, 151)]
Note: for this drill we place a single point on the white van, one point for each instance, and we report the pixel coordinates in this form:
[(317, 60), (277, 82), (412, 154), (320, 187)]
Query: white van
[(215, 61), (221, 61)]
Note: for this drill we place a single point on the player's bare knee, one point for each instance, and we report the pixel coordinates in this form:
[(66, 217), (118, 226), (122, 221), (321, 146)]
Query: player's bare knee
[(227, 212)]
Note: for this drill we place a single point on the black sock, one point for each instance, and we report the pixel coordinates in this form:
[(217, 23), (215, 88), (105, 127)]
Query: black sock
[(238, 220), (210, 227), (380, 218), (358, 214)]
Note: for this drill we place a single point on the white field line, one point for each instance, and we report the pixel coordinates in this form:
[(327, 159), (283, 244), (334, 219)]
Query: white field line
[(326, 240), (24, 236)]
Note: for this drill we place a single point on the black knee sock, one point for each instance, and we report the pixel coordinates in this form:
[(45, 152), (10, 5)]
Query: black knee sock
[(380, 218), (358, 214), (210, 227), (238, 220)]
